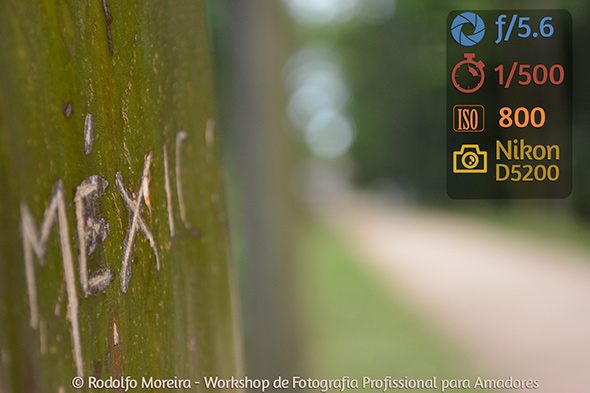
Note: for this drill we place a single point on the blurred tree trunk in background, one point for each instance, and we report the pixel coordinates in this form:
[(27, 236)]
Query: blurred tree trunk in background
[(113, 244), (259, 153)]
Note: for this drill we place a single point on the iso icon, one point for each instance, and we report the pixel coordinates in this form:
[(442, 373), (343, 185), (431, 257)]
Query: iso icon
[(468, 29)]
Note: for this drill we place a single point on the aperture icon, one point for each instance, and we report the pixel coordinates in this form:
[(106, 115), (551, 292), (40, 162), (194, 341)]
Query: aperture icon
[(464, 23)]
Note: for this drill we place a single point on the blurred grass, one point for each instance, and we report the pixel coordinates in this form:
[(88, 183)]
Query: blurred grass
[(351, 326), (553, 224)]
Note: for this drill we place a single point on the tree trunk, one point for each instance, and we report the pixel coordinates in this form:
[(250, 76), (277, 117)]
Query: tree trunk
[(262, 156), (113, 247)]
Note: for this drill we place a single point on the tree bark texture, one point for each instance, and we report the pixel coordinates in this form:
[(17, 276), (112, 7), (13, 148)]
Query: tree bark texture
[(114, 253)]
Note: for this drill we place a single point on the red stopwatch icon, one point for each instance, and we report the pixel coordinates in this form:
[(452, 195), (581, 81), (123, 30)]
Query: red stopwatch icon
[(468, 75)]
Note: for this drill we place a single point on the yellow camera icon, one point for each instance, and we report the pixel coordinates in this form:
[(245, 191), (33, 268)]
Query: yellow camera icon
[(470, 160)]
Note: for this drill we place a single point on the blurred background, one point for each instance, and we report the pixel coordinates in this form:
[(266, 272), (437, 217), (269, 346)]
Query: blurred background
[(352, 259)]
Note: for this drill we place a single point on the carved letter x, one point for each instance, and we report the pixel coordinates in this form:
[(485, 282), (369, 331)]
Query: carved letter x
[(136, 221)]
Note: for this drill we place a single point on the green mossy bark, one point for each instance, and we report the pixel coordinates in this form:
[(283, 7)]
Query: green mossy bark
[(143, 71)]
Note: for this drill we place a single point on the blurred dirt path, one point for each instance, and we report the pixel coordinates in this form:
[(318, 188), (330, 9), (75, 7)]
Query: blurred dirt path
[(517, 302)]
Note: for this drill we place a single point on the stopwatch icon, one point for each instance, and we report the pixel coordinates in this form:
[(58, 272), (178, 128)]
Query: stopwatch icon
[(468, 75)]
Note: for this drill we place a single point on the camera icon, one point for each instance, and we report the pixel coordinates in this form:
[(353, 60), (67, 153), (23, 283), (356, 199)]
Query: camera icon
[(470, 160)]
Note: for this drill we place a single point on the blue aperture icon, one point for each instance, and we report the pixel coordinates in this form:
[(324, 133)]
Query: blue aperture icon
[(458, 29)]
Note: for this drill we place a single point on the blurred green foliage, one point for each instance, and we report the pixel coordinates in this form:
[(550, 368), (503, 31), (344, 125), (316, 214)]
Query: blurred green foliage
[(397, 74)]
